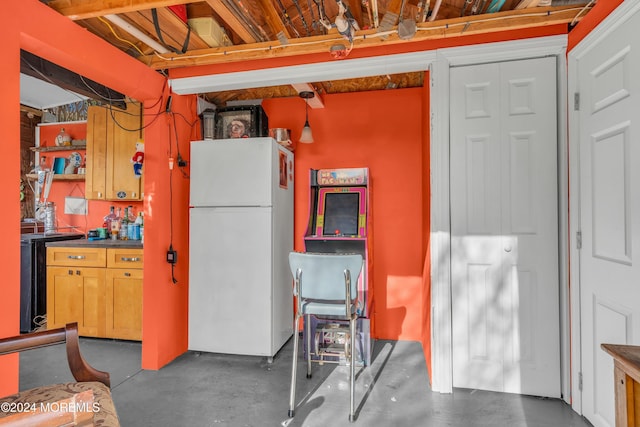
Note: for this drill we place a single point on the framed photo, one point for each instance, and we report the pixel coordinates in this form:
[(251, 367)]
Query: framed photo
[(284, 174), (241, 122)]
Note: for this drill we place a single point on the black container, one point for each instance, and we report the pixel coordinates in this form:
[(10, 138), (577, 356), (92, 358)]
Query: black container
[(33, 275), (243, 121)]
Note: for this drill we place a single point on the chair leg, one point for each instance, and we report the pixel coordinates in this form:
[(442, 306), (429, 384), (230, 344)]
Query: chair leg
[(307, 325), (294, 368), (352, 371)]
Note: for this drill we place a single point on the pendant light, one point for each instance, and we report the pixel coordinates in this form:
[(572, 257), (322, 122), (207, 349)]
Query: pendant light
[(306, 137)]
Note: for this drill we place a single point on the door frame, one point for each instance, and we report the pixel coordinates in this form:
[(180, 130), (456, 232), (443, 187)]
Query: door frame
[(608, 25), (441, 310)]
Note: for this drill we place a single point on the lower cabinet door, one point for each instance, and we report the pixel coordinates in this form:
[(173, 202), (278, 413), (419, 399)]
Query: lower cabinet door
[(124, 303), (76, 294)]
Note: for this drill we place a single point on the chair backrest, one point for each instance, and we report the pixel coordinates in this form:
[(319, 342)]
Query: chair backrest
[(323, 275)]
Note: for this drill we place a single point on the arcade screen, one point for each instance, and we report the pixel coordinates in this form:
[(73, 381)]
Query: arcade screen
[(341, 213)]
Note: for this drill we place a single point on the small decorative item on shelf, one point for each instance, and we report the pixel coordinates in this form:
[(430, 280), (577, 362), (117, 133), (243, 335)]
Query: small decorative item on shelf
[(75, 160), (63, 138), (138, 158), (59, 164)]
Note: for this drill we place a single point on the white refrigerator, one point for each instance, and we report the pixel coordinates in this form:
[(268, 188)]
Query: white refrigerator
[(240, 236)]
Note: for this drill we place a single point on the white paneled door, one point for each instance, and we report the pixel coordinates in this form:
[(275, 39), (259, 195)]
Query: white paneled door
[(609, 152), (504, 227)]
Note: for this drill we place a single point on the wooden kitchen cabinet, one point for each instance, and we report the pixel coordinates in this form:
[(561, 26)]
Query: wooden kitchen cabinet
[(76, 294), (100, 288), (124, 293), (111, 143)]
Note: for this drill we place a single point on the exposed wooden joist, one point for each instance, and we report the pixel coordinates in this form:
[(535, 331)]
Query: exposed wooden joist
[(174, 31), (84, 9), (273, 18), (470, 25), (316, 101), (355, 6), (30, 110), (232, 20)]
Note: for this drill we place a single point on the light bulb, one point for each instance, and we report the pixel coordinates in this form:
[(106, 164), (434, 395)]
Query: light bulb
[(306, 136)]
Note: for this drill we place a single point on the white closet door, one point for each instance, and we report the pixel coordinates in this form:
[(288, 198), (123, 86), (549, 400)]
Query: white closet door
[(609, 153), (504, 232)]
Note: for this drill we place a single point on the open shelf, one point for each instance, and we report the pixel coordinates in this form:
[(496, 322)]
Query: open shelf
[(58, 148), (59, 177)]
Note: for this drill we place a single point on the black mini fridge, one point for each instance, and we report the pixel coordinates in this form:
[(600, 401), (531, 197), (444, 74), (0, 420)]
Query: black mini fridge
[(33, 275)]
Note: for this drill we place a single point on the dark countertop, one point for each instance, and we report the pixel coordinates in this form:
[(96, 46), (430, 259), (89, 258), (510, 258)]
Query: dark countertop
[(84, 243)]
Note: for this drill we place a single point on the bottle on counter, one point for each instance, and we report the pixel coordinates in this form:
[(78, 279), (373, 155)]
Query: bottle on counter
[(132, 230), (140, 221), (136, 228), (108, 218), (115, 226), (124, 226)]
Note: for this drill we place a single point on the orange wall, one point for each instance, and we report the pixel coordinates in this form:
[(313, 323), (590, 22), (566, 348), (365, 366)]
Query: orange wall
[(600, 11), (76, 49), (166, 201), (61, 189), (10, 214), (354, 130), (382, 131)]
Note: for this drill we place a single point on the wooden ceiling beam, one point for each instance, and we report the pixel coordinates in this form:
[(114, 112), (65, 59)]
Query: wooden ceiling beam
[(84, 9), (355, 6), (470, 25), (231, 20), (174, 30), (316, 101), (273, 18)]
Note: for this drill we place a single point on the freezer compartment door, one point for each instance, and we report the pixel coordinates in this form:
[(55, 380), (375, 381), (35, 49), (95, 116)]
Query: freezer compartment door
[(232, 172), (230, 291)]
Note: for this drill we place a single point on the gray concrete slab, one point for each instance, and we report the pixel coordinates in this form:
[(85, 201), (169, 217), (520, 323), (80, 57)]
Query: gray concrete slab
[(206, 389)]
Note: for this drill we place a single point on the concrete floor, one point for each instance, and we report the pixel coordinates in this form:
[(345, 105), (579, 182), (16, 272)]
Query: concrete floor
[(204, 389)]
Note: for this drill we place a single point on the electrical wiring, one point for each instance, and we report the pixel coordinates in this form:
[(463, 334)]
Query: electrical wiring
[(381, 34), (105, 22), (173, 276), (88, 86), (586, 6), (138, 129), (179, 158), (46, 78)]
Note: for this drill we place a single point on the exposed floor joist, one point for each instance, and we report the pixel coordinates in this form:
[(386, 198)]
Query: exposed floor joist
[(457, 27)]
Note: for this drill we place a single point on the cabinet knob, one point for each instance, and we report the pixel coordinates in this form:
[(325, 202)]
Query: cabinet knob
[(127, 274), (76, 256), (125, 259), (77, 272), (70, 272)]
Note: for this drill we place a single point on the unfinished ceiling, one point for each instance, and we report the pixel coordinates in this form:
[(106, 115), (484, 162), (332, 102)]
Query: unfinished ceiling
[(167, 34)]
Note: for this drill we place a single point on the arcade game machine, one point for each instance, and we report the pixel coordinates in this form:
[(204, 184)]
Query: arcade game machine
[(339, 222)]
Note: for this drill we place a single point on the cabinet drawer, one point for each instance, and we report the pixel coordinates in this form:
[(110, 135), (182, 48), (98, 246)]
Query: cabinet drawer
[(77, 257), (125, 258)]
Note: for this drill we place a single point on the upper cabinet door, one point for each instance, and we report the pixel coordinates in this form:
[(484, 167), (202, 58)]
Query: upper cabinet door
[(95, 183), (111, 142)]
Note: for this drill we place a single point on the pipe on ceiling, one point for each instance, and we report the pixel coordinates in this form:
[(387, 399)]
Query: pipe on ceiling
[(116, 20)]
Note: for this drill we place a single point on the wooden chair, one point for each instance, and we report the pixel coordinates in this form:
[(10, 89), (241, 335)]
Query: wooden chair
[(80, 369), (85, 402)]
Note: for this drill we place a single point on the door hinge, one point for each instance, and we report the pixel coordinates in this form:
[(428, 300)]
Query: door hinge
[(576, 101), (579, 239), (580, 381)]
